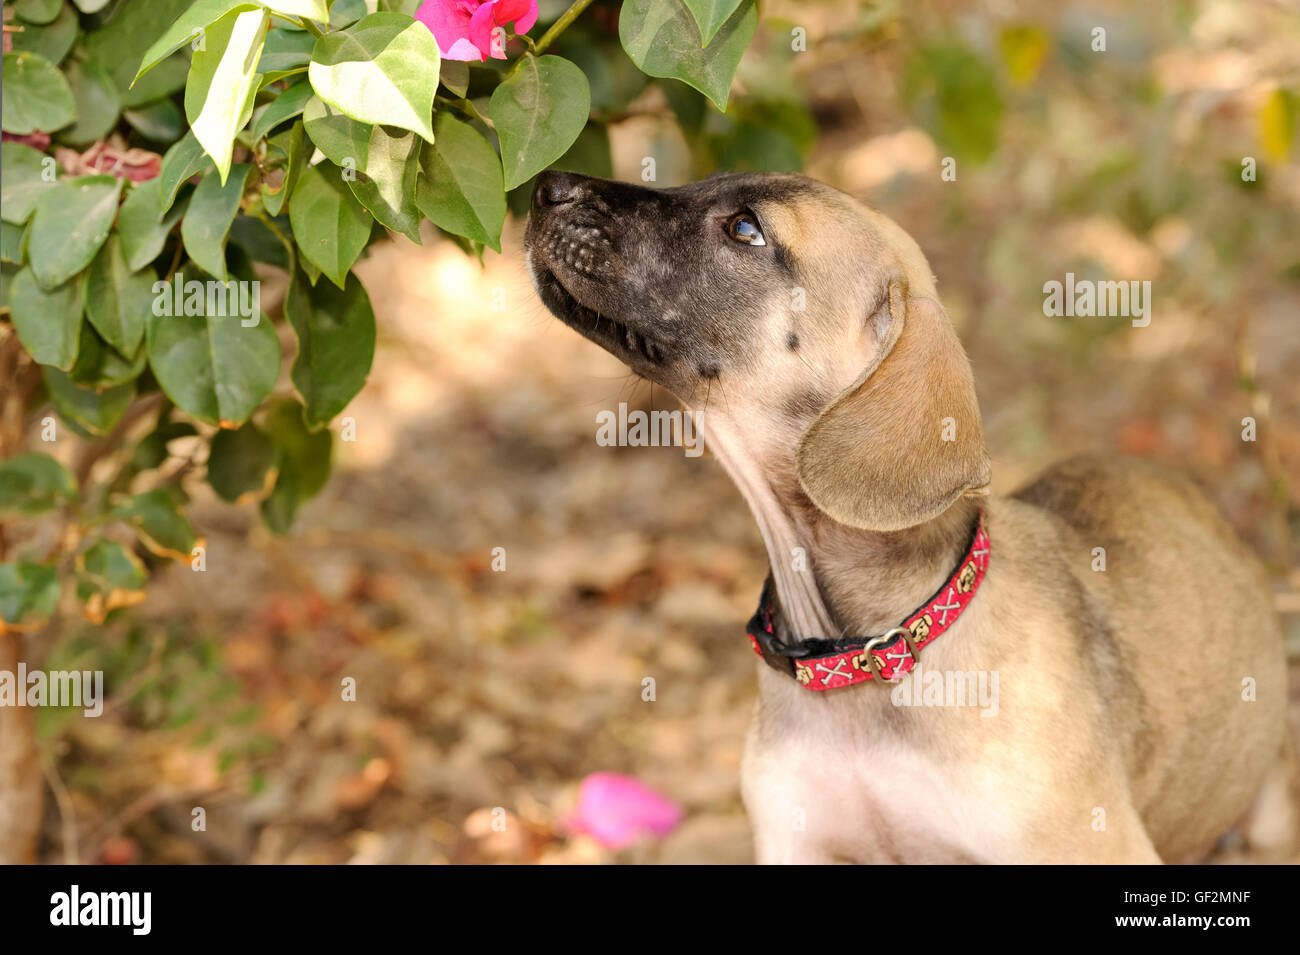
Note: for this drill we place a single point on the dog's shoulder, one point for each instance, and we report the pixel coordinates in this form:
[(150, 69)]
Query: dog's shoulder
[(1117, 496)]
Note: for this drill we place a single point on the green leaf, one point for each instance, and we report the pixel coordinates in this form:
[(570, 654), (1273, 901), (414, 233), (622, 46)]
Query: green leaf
[(207, 221), (341, 138), (382, 70), (48, 322), (589, 155), (91, 6), (614, 79), (23, 180), (312, 273), (336, 343), (180, 163), (29, 593), (118, 300), (160, 122), (141, 232), (304, 462), (285, 50), (158, 523), (189, 27), (52, 40), (33, 484), (163, 80), (253, 236), (214, 367), (710, 15), (268, 79), (118, 42), (330, 225), (71, 222), (108, 577), (461, 185), (38, 11), (317, 10), (36, 96), (385, 184), (956, 93), (538, 113), (240, 463), (219, 93), (454, 76), (663, 38), (283, 108), (344, 13), (291, 145), (99, 365), (91, 410), (97, 103), (11, 243)]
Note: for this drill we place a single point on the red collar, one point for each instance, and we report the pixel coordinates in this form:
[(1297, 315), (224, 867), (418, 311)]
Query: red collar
[(831, 664)]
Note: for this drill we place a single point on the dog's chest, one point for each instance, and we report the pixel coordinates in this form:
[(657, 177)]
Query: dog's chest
[(868, 800)]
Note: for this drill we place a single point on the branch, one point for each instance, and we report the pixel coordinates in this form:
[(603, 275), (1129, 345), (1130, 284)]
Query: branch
[(288, 245), (91, 454), (558, 27)]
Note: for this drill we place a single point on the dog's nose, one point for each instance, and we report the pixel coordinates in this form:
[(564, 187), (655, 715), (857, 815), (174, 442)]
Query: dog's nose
[(555, 189)]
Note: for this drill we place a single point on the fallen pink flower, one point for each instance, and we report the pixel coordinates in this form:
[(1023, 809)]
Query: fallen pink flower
[(463, 28), (616, 810), (137, 165)]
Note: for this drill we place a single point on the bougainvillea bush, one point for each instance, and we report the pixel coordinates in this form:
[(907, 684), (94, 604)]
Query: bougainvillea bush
[(163, 159)]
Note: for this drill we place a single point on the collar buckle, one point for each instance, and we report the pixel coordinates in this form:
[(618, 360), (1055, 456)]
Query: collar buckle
[(888, 639)]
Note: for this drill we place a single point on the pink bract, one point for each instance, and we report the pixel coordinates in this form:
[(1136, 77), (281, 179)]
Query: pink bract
[(463, 28)]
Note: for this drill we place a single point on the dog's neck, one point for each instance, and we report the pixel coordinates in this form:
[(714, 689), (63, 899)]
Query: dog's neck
[(833, 580)]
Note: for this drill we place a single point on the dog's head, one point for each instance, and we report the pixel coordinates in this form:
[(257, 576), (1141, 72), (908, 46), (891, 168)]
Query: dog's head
[(814, 314)]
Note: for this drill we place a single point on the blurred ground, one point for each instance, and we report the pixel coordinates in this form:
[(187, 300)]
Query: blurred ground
[(479, 689)]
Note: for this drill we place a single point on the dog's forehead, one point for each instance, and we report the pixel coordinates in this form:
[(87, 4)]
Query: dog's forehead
[(766, 191)]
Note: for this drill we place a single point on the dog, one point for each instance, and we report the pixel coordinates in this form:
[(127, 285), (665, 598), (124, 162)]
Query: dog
[(1141, 708)]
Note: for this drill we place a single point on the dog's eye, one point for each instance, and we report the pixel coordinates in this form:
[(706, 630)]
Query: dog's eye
[(743, 227)]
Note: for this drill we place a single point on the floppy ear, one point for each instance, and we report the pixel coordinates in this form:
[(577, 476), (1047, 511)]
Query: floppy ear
[(900, 445)]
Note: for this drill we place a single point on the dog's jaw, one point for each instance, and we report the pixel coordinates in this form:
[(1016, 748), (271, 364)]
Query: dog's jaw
[(642, 351)]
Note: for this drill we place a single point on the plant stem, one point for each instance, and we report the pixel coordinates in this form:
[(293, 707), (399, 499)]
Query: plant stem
[(288, 245), (310, 27), (558, 27)]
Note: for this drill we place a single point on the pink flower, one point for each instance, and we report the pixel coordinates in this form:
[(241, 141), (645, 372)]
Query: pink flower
[(463, 28), (615, 810), (138, 165)]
